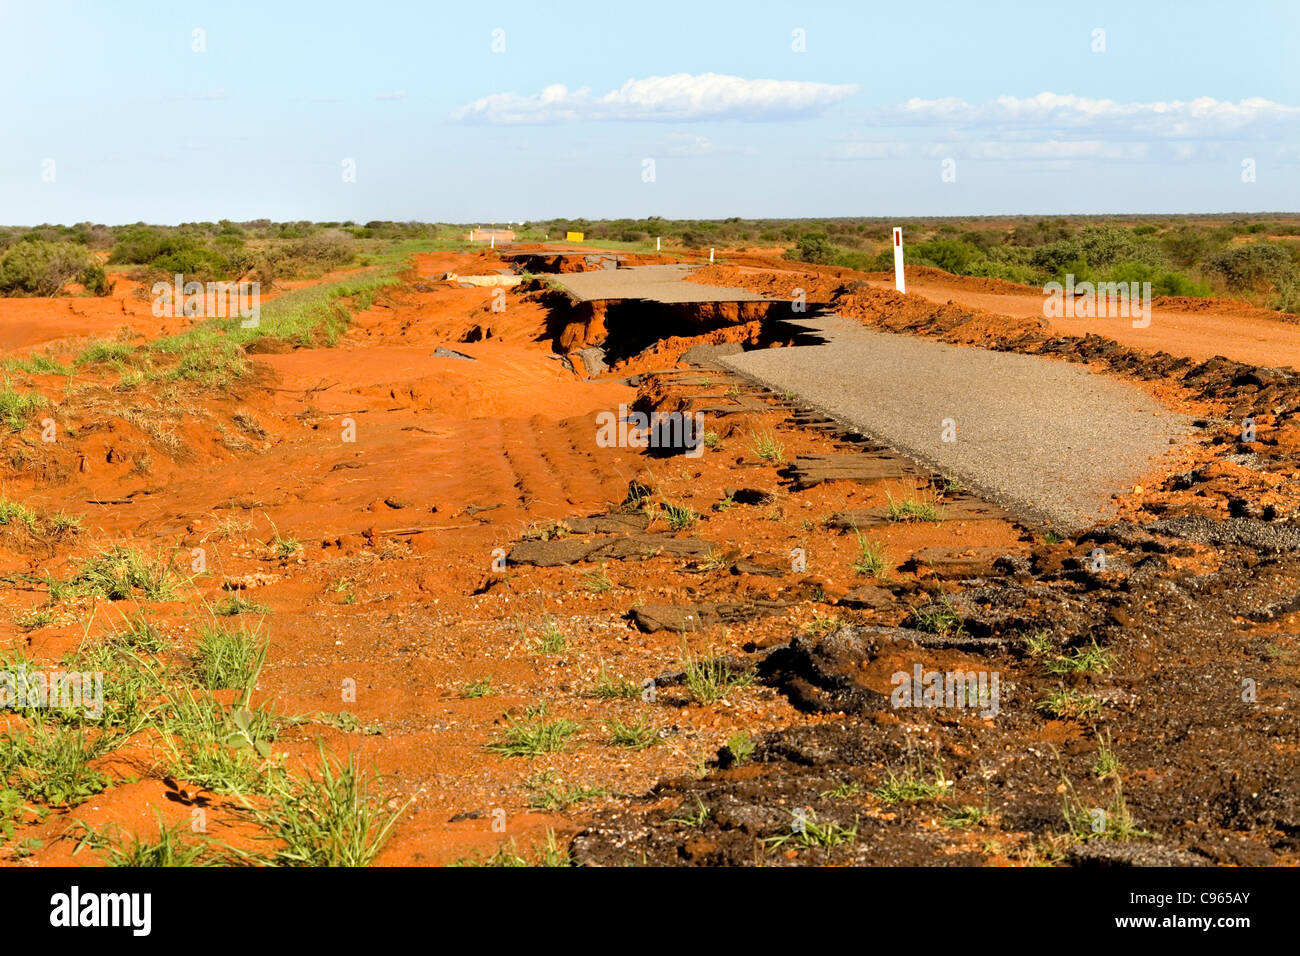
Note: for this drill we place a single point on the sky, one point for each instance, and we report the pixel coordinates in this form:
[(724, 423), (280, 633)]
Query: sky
[(170, 112)]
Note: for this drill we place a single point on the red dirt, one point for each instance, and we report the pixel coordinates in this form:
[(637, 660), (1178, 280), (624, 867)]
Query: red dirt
[(451, 460), (513, 432), (1194, 327)]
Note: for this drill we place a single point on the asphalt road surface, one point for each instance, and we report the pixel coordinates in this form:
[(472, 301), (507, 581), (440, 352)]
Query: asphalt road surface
[(1049, 440), (663, 283)]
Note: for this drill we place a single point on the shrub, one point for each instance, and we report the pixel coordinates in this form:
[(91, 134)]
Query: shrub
[(1288, 295), (176, 252), (1185, 246), (327, 250), (813, 247), (95, 280), (190, 259), (137, 244), (950, 255), (884, 261), (1095, 250), (37, 267), (1162, 282), (1175, 283), (1251, 267), (856, 259)]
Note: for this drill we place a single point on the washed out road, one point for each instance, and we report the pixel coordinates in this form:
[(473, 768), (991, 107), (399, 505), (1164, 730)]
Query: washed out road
[(1048, 440)]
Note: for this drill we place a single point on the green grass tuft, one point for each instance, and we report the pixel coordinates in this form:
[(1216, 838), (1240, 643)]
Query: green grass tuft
[(118, 573), (535, 735), (226, 659), (708, 679)]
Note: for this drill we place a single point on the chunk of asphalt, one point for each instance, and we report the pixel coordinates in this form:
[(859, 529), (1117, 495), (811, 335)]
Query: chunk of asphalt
[(617, 523), (819, 672), (593, 360), (680, 618), (706, 354), (1111, 853), (632, 547), (442, 352)]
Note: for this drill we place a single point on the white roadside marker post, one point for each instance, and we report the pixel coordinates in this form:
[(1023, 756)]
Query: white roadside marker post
[(493, 239), (710, 255), (899, 283), (658, 241)]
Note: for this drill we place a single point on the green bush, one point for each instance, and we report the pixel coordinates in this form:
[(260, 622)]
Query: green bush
[(138, 245), (1288, 295), (1186, 246), (1175, 283), (1095, 249), (853, 259), (179, 252), (950, 255), (1163, 282), (1254, 266), (813, 247), (191, 260), (37, 267), (95, 279), (330, 249)]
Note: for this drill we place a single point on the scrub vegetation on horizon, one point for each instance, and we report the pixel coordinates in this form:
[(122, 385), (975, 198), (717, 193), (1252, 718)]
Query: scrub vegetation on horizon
[(1256, 258)]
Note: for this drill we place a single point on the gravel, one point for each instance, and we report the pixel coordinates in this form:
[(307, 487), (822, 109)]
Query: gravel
[(1048, 440), (1250, 533)]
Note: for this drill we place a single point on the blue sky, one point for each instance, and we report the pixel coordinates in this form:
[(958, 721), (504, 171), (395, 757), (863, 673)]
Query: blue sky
[(140, 126)]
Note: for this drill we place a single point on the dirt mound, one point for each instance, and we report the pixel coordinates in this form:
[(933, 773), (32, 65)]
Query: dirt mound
[(934, 276), (899, 312), (1196, 305), (816, 286), (667, 352), (776, 263)]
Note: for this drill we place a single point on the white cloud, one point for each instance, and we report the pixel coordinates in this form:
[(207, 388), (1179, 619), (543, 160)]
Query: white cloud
[(1200, 118), (680, 98), (1063, 128), (395, 95)]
